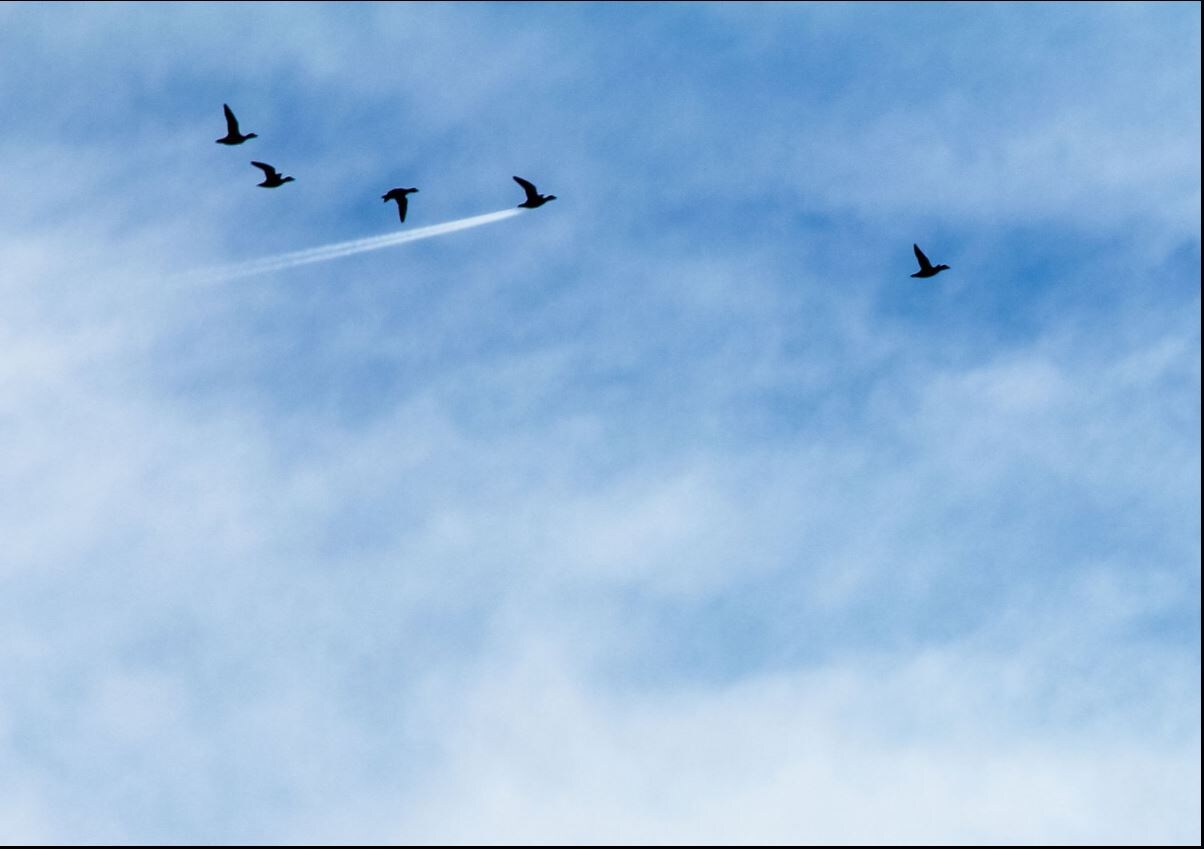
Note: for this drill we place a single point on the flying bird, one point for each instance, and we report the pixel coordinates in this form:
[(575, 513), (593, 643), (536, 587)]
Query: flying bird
[(398, 195), (534, 198), (927, 269), (233, 136), (271, 177)]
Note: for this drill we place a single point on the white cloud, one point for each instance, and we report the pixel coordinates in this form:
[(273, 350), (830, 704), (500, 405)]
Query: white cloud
[(870, 750)]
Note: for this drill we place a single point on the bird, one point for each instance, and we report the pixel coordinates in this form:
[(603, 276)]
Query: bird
[(927, 269), (398, 195), (534, 198), (233, 136), (271, 177)]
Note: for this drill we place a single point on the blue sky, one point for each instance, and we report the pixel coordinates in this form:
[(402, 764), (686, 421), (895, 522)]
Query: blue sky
[(672, 511)]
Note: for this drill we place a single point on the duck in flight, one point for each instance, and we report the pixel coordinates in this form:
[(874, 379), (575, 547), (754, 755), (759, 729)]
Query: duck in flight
[(398, 195), (534, 198), (271, 177), (927, 269), (233, 136)]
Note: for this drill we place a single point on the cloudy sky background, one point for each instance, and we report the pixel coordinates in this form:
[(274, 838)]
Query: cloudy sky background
[(672, 511)]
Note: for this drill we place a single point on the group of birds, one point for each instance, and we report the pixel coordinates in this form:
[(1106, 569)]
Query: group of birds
[(274, 179)]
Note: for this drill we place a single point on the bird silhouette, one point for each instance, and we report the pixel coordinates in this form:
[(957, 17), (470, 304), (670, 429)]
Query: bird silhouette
[(534, 198), (233, 136), (271, 177), (927, 269), (398, 195)]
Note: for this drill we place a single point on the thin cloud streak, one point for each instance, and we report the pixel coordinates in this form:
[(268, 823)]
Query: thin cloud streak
[(338, 250)]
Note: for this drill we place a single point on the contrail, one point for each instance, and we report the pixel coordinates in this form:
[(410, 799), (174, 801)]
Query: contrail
[(342, 249)]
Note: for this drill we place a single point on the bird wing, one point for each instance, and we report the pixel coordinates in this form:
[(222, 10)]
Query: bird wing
[(924, 263), (268, 170), (231, 121), (528, 188), (401, 208)]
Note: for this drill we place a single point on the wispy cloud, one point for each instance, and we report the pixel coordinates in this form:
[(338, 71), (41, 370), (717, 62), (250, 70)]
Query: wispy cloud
[(338, 250)]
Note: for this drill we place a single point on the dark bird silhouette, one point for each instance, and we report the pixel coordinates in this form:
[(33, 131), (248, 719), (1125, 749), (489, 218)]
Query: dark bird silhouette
[(398, 195), (233, 136), (534, 198), (271, 177), (927, 269)]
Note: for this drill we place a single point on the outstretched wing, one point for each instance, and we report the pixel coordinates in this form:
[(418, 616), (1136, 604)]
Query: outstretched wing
[(401, 208), (528, 188), (231, 121), (268, 170), (925, 265)]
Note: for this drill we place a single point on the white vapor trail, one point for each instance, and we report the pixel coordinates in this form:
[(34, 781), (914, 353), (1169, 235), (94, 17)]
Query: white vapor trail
[(342, 249)]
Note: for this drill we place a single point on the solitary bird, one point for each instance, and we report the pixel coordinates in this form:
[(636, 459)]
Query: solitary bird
[(271, 177), (927, 269), (233, 136), (398, 195), (534, 198)]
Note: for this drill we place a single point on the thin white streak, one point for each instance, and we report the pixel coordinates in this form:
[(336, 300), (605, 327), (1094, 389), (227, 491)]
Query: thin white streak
[(342, 249)]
